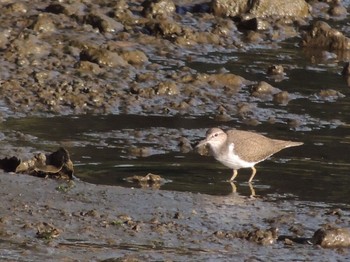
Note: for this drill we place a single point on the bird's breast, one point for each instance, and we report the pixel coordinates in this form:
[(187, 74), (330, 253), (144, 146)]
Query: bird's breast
[(228, 157)]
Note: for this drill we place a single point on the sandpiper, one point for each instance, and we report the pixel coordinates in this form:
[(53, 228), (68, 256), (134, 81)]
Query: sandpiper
[(241, 149)]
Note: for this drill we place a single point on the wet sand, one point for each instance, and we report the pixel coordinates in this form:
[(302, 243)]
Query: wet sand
[(53, 220)]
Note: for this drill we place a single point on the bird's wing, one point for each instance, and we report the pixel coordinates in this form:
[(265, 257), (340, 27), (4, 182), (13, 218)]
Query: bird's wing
[(254, 147)]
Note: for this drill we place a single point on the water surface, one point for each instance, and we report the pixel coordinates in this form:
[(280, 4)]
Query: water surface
[(101, 145), (100, 148)]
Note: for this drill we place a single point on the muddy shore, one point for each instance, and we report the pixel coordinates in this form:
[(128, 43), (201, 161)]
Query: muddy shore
[(136, 58), (51, 220)]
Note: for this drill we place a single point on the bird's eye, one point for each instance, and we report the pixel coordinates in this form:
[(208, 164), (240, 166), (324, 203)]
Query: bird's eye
[(216, 134)]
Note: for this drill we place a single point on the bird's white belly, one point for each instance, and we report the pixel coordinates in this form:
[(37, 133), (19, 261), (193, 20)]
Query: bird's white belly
[(233, 161)]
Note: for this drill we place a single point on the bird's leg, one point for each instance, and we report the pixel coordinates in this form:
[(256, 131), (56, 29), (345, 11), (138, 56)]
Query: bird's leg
[(235, 173), (252, 175), (252, 190), (234, 188)]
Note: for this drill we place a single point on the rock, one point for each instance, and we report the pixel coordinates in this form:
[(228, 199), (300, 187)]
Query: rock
[(321, 35), (294, 123), (202, 150), (281, 97), (205, 38), (335, 212), (261, 8), (253, 37), (88, 67), (42, 77), (229, 7), (154, 8), (4, 39), (332, 238), (263, 237), (222, 117), (330, 94), (17, 8), (251, 121), (166, 28), (31, 46), (226, 28), (150, 180), (275, 70), (245, 109), (280, 8), (134, 57), (264, 90), (140, 151), (104, 23), (230, 81), (47, 231), (56, 164), (44, 24), (102, 57), (338, 9), (185, 145), (259, 236), (276, 73), (167, 88)]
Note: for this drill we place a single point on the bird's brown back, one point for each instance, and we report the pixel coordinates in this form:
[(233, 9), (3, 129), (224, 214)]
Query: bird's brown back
[(253, 147)]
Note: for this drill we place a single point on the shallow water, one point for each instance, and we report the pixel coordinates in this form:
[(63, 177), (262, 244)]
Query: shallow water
[(101, 146)]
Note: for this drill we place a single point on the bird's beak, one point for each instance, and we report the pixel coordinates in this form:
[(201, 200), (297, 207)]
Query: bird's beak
[(201, 143), (201, 147)]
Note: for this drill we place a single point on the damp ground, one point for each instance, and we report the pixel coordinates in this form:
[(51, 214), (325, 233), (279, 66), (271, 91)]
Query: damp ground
[(133, 97)]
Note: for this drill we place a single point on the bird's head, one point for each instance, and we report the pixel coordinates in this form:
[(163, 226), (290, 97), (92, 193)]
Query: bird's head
[(215, 137)]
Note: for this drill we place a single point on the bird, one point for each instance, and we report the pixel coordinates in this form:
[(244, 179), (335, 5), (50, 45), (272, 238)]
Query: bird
[(242, 149)]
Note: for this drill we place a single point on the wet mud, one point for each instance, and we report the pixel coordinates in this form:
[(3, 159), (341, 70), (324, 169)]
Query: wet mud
[(134, 57), (56, 164), (47, 219), (141, 82)]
